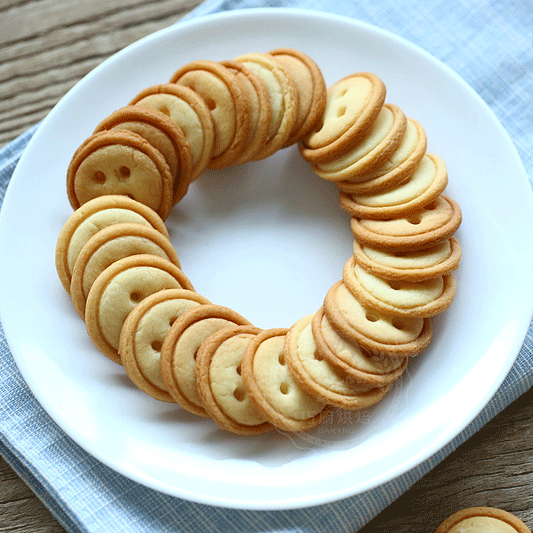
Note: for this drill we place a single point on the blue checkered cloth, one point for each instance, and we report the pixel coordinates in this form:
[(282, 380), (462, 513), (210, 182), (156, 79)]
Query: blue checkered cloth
[(488, 43)]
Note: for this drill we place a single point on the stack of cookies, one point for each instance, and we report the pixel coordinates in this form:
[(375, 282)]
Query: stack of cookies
[(115, 259)]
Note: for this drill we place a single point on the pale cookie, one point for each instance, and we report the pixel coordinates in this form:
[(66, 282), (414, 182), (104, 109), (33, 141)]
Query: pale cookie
[(320, 379), (272, 388), (120, 162), (93, 216), (162, 133), (109, 245), (311, 87), (396, 168), (283, 97), (352, 105), (425, 228), (424, 185), (417, 265), (382, 139), (255, 91), (143, 333), (188, 110), (348, 357), (229, 107), (219, 382), (375, 332), (482, 520), (178, 353), (400, 298), (119, 288)]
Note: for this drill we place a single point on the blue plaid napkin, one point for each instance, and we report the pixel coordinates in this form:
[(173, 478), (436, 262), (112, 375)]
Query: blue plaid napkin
[(488, 43)]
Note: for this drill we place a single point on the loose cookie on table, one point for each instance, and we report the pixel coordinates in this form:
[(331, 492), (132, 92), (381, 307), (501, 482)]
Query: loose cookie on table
[(109, 245), (119, 288), (178, 352), (272, 388), (320, 379), (93, 216), (162, 133), (143, 333), (348, 357), (220, 385), (482, 520)]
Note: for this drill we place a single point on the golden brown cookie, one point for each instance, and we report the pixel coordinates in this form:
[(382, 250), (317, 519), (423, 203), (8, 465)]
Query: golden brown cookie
[(109, 245), (272, 388), (120, 162), (178, 353), (348, 357), (425, 228), (162, 133), (143, 333), (283, 97), (320, 379), (482, 520), (381, 140), (255, 90), (352, 105), (420, 299), (417, 265), (375, 332), (119, 288), (188, 110), (219, 382), (227, 103), (93, 216), (311, 87)]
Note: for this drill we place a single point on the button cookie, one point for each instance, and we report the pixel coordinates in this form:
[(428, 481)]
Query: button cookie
[(319, 378), (188, 110), (283, 97), (377, 370), (219, 382), (352, 105), (421, 299), (109, 245), (120, 162), (178, 352), (93, 216), (229, 108), (425, 228), (255, 91), (311, 87), (273, 389), (396, 169), (482, 520), (375, 332), (417, 265), (382, 139), (118, 289), (162, 133), (143, 333), (424, 185)]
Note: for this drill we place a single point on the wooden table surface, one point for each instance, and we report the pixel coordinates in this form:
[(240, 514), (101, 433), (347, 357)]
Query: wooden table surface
[(46, 46)]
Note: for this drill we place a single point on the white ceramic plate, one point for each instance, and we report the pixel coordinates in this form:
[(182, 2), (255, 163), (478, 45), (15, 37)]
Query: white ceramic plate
[(268, 239)]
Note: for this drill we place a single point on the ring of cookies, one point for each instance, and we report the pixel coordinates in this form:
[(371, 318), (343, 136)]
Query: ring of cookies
[(115, 259)]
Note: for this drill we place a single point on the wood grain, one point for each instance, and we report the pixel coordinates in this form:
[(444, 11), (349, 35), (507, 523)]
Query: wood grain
[(46, 46)]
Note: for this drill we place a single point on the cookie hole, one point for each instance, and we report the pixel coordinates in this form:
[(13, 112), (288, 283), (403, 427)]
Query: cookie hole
[(136, 297), (156, 346), (171, 320), (317, 356), (398, 324), (122, 172), (210, 103), (238, 370), (281, 359), (284, 388), (99, 177), (414, 219), (164, 109), (343, 93), (431, 207), (371, 317), (395, 285), (341, 111), (130, 196), (239, 394)]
